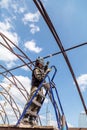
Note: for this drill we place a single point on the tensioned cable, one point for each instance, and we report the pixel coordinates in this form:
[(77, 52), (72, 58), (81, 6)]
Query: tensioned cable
[(68, 49), (43, 12), (48, 56)]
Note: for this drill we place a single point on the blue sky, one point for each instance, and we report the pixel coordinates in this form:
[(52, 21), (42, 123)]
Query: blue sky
[(21, 22)]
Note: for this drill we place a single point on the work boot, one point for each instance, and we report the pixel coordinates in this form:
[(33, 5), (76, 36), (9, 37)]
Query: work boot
[(32, 121), (24, 123)]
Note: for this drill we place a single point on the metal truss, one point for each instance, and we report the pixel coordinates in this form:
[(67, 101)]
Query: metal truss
[(3, 115), (5, 94), (10, 100)]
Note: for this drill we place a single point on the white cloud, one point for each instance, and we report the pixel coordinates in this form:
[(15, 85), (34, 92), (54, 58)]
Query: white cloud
[(11, 63), (25, 68), (82, 80), (16, 6), (23, 79), (21, 10), (5, 25), (31, 45), (4, 3), (5, 55), (34, 28), (16, 95), (6, 28), (31, 17), (12, 36), (10, 113)]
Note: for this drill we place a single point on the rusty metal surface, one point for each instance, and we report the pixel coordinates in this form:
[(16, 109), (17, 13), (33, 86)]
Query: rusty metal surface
[(27, 128), (35, 128), (77, 128)]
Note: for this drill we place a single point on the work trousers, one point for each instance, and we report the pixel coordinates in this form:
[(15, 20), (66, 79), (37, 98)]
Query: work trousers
[(38, 98)]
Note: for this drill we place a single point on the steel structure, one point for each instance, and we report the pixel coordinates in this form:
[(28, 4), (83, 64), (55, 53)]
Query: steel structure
[(3, 115), (26, 61), (5, 73)]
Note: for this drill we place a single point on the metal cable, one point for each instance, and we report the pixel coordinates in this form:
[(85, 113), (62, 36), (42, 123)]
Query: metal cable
[(48, 56)]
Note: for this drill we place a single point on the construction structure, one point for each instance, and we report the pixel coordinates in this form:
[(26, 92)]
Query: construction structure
[(14, 82)]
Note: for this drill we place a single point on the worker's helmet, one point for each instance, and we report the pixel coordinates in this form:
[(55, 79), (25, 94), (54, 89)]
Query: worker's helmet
[(40, 60)]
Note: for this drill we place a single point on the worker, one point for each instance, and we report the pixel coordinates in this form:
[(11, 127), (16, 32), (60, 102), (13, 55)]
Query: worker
[(38, 75)]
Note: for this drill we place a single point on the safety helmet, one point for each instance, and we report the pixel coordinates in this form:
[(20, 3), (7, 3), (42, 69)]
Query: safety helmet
[(40, 60)]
